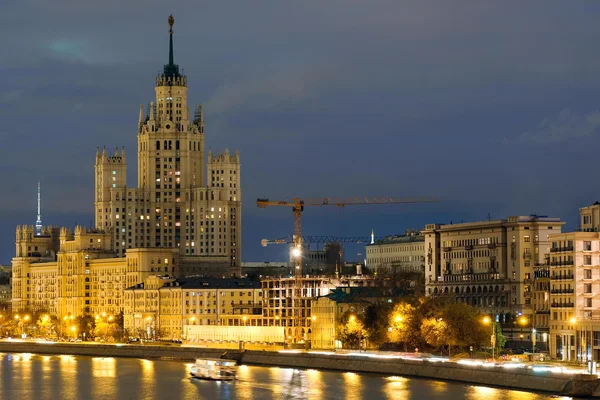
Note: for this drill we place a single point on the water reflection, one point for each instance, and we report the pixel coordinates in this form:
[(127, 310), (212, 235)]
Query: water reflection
[(352, 386), (29, 377), (395, 387)]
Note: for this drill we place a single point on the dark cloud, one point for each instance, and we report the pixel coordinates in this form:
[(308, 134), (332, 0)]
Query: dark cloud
[(336, 98)]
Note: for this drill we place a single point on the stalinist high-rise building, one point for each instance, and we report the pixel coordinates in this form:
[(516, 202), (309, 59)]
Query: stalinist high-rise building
[(173, 205), (179, 221)]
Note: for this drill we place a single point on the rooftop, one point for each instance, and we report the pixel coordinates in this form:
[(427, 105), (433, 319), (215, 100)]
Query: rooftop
[(198, 282)]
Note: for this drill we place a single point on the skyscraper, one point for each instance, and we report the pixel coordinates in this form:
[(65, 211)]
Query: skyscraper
[(173, 205)]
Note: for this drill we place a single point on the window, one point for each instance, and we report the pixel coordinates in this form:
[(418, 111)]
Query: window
[(588, 302), (526, 238), (587, 274), (587, 260), (587, 246), (587, 288)]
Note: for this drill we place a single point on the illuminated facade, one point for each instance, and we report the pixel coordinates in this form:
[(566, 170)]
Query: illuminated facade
[(488, 264), (175, 223), (168, 308), (174, 205), (401, 253), (287, 302), (574, 304)]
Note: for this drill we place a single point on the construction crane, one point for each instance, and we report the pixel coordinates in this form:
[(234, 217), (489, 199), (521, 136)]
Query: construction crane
[(320, 239), (298, 205)]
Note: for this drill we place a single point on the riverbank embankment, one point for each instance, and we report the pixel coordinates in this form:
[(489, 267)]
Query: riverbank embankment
[(518, 378)]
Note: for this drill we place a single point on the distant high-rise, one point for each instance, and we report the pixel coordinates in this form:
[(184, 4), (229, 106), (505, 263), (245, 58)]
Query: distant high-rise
[(38, 221), (174, 205)]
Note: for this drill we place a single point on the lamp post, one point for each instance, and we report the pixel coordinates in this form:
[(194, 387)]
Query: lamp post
[(488, 320), (573, 321)]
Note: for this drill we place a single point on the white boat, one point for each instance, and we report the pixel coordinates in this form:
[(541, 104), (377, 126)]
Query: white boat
[(214, 368)]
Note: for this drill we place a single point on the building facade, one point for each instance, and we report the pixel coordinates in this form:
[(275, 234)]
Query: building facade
[(397, 253), (327, 311), (174, 205), (167, 308), (489, 264), (179, 221), (574, 304), (287, 302)]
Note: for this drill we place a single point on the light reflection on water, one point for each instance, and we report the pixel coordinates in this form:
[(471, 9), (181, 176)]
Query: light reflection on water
[(33, 377)]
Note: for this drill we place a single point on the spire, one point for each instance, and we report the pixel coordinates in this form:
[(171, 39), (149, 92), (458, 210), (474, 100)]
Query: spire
[(123, 154), (372, 236), (171, 22), (141, 120), (38, 222), (171, 70), (151, 111)]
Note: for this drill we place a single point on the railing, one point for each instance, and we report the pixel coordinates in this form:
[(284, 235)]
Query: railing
[(561, 263), (562, 291), (562, 277), (469, 247), (559, 249), (527, 255), (562, 305), (447, 249)]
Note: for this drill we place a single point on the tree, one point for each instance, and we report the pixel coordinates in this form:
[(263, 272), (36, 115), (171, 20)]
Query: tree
[(46, 324), (464, 325), (403, 325), (500, 338), (435, 332), (351, 330), (85, 324), (376, 320)]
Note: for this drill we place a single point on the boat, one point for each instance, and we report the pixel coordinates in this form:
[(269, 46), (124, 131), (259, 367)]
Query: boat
[(214, 368)]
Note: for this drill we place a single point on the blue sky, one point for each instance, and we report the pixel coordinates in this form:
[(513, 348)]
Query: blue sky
[(490, 106)]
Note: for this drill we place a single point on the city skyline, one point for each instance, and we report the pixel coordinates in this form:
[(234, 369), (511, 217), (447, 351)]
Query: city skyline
[(489, 116)]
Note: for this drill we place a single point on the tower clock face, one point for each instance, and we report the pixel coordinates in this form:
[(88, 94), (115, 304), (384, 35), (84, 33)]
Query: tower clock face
[(168, 126)]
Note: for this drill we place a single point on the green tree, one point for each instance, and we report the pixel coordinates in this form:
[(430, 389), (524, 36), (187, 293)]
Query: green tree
[(500, 338)]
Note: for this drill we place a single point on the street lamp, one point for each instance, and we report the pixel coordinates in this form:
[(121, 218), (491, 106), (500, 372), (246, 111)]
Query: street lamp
[(487, 320)]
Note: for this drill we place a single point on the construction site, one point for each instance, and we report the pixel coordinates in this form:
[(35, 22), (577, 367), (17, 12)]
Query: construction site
[(311, 273)]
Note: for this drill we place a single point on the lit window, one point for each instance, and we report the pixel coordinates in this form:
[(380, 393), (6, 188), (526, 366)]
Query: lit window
[(114, 172)]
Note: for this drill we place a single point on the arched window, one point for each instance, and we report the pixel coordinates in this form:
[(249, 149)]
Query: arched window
[(158, 145), (170, 145), (165, 145), (177, 145)]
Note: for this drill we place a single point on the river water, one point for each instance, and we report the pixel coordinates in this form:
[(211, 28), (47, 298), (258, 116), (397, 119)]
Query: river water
[(37, 377)]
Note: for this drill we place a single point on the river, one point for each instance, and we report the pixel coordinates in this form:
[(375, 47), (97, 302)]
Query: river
[(37, 377)]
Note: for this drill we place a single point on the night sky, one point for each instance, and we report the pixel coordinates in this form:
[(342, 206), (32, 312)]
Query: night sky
[(490, 106)]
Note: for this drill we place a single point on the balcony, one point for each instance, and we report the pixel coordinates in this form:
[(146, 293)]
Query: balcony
[(527, 281), (562, 291), (447, 249), (527, 256), (491, 246), (543, 312), (561, 249), (469, 247), (562, 305), (562, 263), (528, 294), (562, 277)]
